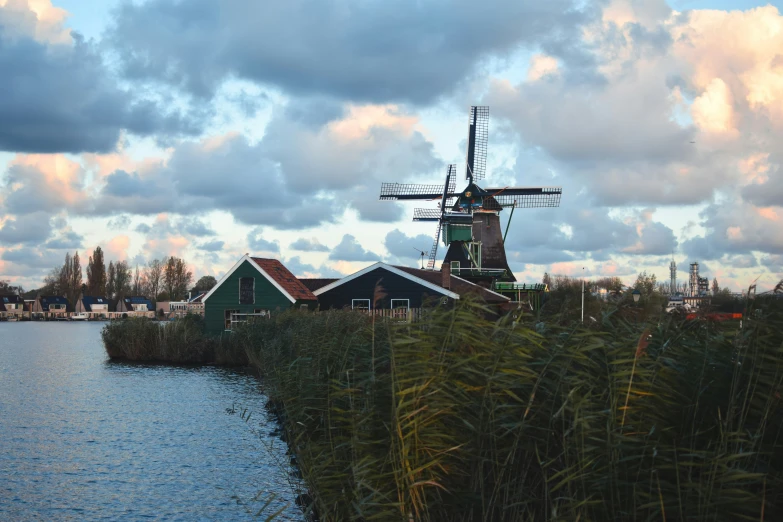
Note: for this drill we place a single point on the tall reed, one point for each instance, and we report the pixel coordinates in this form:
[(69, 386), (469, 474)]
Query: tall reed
[(181, 341), (460, 418)]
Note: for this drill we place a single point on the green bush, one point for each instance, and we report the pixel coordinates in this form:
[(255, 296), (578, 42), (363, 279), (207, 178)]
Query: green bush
[(458, 418)]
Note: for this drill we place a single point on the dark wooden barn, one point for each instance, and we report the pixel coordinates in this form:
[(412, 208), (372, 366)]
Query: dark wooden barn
[(401, 290)]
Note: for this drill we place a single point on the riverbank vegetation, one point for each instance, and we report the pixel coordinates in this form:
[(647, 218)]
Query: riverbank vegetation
[(459, 418), (181, 342)]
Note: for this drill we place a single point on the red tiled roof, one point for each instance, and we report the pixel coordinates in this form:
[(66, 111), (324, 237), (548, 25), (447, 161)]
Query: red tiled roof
[(284, 278), (314, 284)]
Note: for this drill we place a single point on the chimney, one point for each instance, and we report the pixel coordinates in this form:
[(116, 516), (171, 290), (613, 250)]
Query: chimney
[(445, 271)]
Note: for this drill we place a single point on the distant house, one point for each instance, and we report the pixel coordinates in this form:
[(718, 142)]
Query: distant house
[(11, 306), (253, 288), (193, 305), (136, 306), (93, 306), (403, 291), (178, 307), (196, 303), (53, 306)]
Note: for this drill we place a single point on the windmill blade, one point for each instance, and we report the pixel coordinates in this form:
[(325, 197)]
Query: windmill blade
[(447, 187), (434, 250), (426, 214), (523, 198), (392, 191), (451, 172), (478, 134)]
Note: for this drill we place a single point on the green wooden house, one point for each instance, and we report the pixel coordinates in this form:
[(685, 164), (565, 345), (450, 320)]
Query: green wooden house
[(254, 288)]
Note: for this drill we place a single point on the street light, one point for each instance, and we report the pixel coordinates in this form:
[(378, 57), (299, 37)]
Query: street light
[(583, 294), (636, 295)]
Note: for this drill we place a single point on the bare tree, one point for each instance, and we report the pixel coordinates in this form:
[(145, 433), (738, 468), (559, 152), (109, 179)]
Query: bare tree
[(183, 278), (610, 284), (170, 277), (7, 288), (154, 277), (137, 281)]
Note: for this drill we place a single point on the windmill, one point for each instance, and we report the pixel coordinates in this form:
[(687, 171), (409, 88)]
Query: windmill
[(422, 253), (469, 221)]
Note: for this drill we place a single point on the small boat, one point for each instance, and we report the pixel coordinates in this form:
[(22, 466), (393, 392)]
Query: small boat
[(79, 317)]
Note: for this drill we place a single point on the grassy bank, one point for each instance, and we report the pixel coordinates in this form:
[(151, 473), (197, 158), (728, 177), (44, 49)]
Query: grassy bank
[(457, 418), (182, 341)]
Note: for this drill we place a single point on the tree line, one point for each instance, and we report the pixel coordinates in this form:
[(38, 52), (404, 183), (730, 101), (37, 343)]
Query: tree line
[(165, 279), (647, 284)]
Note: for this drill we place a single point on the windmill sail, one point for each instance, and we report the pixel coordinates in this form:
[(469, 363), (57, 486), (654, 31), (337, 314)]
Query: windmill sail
[(449, 183), (393, 191), (521, 197), (478, 134), (426, 214)]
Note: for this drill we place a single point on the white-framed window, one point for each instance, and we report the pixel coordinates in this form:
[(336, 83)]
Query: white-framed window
[(400, 308), (455, 266), (303, 307), (229, 318), (360, 304)]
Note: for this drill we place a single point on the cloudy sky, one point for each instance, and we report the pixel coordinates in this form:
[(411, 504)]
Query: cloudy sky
[(209, 129)]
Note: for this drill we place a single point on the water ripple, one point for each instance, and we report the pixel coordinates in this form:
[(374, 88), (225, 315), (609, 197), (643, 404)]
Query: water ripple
[(84, 438)]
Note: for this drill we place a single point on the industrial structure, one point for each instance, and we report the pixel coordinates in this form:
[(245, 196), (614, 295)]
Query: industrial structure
[(469, 221), (697, 286)]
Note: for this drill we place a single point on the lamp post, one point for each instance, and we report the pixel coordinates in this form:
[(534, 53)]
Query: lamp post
[(636, 295), (583, 294)]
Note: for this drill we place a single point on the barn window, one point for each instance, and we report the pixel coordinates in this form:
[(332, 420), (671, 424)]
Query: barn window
[(247, 290), (360, 304), (230, 317), (455, 266), (400, 308)]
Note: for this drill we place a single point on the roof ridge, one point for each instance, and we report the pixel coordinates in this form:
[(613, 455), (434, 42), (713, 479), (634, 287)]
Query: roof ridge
[(479, 286)]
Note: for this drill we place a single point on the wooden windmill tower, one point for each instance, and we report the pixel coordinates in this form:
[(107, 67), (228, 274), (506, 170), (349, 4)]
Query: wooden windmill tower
[(469, 221)]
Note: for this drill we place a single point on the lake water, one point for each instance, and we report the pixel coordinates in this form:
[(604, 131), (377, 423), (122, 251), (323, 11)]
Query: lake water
[(85, 438)]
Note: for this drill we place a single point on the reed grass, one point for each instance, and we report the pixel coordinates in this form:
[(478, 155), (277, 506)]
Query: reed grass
[(460, 418), (181, 341)]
